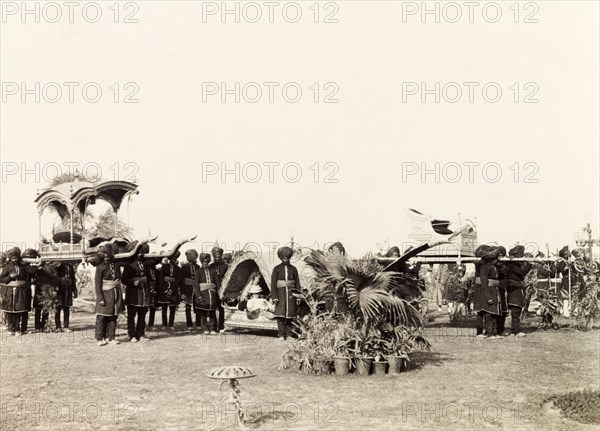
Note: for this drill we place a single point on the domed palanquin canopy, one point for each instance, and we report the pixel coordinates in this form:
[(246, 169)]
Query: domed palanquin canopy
[(70, 198), (66, 197)]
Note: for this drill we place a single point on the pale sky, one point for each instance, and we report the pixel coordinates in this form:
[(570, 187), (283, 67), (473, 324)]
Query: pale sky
[(366, 137)]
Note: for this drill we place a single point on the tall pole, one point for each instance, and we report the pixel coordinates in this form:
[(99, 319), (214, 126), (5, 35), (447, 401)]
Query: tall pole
[(590, 245), (39, 226), (568, 313)]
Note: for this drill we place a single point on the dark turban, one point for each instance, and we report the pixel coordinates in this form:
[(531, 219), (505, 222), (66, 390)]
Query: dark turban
[(339, 246), (392, 251), (577, 253), (30, 253), (488, 257), (501, 251), (191, 254), (564, 252), (488, 252), (285, 252), (96, 260), (204, 256), (517, 251), (216, 250), (106, 249), (144, 249), (484, 249), (14, 252)]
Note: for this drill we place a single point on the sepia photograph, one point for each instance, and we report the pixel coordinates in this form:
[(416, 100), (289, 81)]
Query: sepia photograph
[(300, 215)]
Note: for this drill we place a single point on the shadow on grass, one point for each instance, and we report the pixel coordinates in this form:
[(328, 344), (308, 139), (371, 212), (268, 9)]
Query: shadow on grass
[(182, 331), (421, 359), (529, 323), (257, 420)]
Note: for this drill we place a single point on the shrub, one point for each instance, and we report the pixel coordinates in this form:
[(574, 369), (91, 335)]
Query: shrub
[(582, 406)]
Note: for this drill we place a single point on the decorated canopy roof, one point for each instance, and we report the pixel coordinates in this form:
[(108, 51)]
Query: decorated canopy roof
[(65, 197)]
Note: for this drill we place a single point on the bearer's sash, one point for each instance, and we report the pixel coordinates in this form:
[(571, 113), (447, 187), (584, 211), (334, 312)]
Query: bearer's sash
[(286, 283), (17, 283), (110, 284), (143, 280), (191, 282), (207, 286), (491, 282), (170, 279)]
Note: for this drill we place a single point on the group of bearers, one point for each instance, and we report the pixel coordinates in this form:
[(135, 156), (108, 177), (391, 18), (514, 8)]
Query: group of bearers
[(499, 288), (149, 285), (152, 283), (55, 286)]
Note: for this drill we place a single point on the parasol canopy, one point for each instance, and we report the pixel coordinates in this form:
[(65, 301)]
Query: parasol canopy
[(240, 270)]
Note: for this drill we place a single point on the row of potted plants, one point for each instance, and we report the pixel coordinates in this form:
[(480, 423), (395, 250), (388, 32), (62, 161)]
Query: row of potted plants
[(358, 314), (333, 343)]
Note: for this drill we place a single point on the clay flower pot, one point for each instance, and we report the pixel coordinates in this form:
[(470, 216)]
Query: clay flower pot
[(363, 365), (396, 364), (341, 365), (379, 367)]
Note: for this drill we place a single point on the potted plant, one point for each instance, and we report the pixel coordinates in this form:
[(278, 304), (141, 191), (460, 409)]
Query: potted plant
[(363, 351), (397, 348), (341, 360), (379, 363), (342, 337)]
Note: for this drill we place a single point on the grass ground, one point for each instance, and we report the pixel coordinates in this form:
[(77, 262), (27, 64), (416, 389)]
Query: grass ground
[(64, 381)]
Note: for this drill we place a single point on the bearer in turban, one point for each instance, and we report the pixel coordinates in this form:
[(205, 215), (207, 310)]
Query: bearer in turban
[(67, 290), (486, 296), (168, 289), (109, 298), (503, 304), (563, 268), (285, 281), (3, 261), (517, 271), (15, 289), (220, 267), (140, 278), (190, 273), (207, 299)]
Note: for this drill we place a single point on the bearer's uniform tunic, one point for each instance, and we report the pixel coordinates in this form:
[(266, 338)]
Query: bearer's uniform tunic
[(208, 284), (66, 285), (562, 268), (220, 269), (502, 287), (142, 294), (44, 276), (189, 285), (108, 288), (168, 289), (284, 283), (486, 289), (517, 272), (16, 293)]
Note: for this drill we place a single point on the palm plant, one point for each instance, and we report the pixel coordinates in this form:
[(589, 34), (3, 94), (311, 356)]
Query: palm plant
[(376, 301), (362, 290)]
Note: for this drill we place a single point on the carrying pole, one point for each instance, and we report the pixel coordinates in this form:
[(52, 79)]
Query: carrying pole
[(569, 272)]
